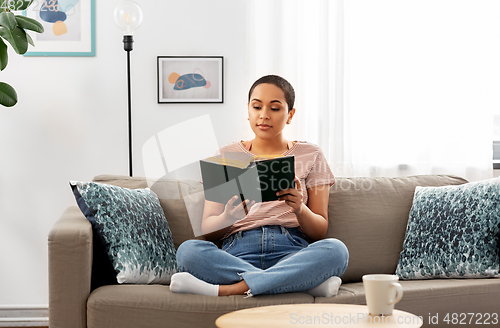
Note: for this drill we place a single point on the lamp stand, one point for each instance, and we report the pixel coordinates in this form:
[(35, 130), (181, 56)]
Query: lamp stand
[(128, 41)]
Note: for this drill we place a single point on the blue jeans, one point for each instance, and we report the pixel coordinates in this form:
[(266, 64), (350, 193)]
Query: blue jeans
[(271, 260)]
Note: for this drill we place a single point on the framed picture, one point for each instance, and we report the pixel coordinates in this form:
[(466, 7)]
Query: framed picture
[(183, 79), (69, 27)]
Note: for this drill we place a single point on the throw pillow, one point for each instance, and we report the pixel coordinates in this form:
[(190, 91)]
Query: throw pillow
[(182, 202), (453, 232), (132, 225), (359, 206)]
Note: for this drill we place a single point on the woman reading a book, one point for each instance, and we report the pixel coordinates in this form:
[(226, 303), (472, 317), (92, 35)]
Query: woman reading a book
[(268, 247)]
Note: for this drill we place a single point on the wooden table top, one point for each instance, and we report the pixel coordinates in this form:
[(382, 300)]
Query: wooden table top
[(315, 315)]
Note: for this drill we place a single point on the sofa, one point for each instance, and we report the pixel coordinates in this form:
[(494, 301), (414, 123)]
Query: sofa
[(369, 215)]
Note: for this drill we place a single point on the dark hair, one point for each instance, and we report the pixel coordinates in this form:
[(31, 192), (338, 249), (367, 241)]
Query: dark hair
[(281, 83)]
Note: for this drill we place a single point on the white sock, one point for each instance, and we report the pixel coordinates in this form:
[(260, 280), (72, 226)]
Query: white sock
[(184, 282), (329, 288)]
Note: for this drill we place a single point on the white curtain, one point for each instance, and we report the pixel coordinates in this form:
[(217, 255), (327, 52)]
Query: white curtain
[(303, 42), (389, 87)]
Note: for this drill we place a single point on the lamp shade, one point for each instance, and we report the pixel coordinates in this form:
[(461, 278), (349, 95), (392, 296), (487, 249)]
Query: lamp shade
[(128, 17)]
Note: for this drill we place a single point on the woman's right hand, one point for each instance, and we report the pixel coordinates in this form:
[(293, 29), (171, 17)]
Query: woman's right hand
[(235, 213), (218, 218)]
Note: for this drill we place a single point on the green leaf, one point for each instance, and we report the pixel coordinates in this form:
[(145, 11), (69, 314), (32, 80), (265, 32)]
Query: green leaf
[(30, 40), (8, 96), (17, 39), (4, 58), (8, 20), (29, 24)]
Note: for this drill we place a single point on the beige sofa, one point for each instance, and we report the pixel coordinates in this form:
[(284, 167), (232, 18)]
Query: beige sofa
[(368, 214)]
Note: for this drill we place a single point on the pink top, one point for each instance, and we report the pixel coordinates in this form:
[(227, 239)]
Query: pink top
[(312, 170), (249, 145)]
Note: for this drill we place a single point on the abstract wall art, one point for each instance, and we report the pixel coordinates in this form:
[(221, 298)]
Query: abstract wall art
[(69, 27), (183, 79)]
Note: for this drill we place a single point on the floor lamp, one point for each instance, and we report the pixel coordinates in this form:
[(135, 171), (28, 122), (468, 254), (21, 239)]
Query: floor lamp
[(128, 17)]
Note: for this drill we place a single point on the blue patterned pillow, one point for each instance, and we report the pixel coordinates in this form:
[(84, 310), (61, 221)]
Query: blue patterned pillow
[(133, 228), (453, 232)]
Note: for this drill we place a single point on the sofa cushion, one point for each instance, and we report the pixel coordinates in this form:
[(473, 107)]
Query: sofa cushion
[(151, 306), (182, 202), (370, 215), (453, 232), (134, 230)]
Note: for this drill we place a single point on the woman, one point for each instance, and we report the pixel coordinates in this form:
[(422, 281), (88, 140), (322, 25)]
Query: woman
[(265, 246)]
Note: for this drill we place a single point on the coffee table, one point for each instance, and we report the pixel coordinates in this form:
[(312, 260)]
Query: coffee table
[(315, 315)]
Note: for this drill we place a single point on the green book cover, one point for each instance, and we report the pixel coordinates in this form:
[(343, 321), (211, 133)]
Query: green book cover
[(253, 180)]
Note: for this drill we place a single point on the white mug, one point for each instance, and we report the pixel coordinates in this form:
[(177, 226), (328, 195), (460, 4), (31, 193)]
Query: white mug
[(382, 291)]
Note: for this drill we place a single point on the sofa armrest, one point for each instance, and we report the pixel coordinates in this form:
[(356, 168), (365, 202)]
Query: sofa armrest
[(70, 269)]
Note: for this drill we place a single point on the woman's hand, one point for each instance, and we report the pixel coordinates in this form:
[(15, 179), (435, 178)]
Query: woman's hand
[(235, 213), (313, 218), (218, 218), (293, 196)]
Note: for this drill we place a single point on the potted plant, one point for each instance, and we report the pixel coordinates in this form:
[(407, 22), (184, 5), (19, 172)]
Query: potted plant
[(13, 30)]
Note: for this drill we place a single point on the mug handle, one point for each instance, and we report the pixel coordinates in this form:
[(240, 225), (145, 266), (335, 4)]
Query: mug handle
[(399, 293)]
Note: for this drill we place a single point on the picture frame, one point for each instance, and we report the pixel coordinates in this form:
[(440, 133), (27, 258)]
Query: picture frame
[(69, 31), (190, 79)]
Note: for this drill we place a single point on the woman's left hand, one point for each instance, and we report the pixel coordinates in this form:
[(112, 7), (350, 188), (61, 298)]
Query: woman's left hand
[(293, 197)]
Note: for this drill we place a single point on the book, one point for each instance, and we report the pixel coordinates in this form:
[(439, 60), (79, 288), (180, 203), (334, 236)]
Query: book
[(257, 180)]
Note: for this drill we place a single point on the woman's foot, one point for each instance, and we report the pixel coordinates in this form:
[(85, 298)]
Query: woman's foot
[(239, 288), (329, 288), (184, 282)]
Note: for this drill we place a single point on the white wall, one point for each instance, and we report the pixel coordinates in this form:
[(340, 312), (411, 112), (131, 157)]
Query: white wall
[(71, 121)]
